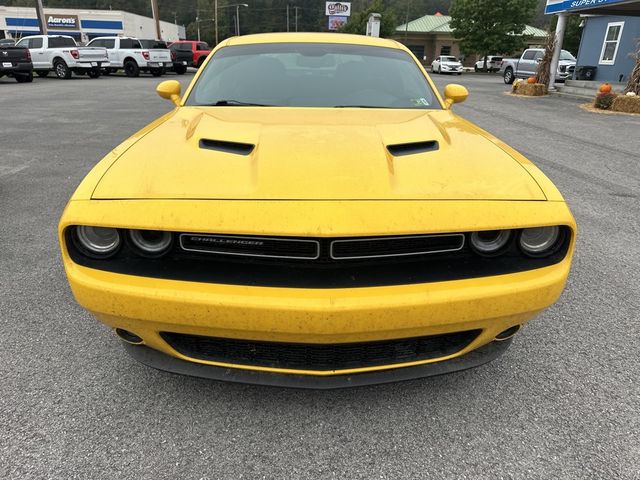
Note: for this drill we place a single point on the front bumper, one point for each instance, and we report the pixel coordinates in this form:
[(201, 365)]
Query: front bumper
[(149, 306)]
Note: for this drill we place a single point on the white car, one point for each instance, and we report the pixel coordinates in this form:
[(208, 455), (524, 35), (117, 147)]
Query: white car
[(128, 54), (493, 64), (446, 64), (61, 54)]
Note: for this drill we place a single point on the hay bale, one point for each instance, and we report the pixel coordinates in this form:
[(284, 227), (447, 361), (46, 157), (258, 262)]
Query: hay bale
[(622, 103), (530, 89)]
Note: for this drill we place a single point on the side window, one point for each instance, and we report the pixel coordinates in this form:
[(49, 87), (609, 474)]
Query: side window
[(202, 46), (611, 43), (35, 43), (538, 56), (96, 43), (24, 43), (61, 42), (129, 43), (109, 43), (529, 55)]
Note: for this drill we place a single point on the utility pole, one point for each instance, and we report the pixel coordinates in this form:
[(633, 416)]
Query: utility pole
[(198, 22), (215, 18), (238, 20), (406, 24), (156, 17), (287, 17), (296, 9), (42, 20)]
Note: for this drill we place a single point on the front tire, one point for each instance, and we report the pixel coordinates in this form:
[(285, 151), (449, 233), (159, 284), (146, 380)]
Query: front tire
[(156, 72), (62, 70), (180, 70), (131, 68), (509, 77)]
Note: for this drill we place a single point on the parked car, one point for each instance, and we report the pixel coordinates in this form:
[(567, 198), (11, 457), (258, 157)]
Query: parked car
[(16, 62), (179, 67), (182, 56), (493, 64), (446, 64), (292, 224), (61, 54), (7, 42), (527, 65), (199, 51), (127, 53)]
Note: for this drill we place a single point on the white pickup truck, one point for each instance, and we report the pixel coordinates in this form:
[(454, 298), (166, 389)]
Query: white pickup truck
[(129, 54), (61, 54)]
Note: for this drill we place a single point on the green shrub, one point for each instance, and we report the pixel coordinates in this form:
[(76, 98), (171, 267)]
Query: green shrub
[(604, 100)]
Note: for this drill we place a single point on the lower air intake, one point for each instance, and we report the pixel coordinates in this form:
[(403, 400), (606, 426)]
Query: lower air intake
[(320, 357)]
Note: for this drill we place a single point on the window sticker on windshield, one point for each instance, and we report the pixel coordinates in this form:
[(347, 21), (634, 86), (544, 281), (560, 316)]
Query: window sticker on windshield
[(419, 102)]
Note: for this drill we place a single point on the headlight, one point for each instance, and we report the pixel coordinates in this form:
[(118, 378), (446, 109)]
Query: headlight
[(100, 242), (540, 241), (490, 242), (151, 243)]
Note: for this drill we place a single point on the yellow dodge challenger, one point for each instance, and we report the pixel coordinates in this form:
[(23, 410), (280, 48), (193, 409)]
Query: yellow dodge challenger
[(313, 214)]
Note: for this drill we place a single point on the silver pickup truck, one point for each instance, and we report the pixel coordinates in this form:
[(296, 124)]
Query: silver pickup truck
[(527, 65)]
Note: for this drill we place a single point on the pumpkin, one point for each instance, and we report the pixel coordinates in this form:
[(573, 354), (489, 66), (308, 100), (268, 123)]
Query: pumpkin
[(532, 80), (605, 88)]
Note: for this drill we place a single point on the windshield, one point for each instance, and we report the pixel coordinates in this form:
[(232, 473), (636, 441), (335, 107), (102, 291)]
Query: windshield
[(449, 59), (312, 75), (564, 55)]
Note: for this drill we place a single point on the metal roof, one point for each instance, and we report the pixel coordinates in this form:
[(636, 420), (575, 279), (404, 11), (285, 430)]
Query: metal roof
[(440, 24)]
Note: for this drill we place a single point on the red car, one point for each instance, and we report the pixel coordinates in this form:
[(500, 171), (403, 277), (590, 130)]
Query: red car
[(192, 51)]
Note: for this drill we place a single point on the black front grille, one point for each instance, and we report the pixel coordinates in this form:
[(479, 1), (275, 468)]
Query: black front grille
[(319, 357), (289, 261)]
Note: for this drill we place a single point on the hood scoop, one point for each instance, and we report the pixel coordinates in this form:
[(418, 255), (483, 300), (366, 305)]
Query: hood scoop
[(413, 148), (227, 147)]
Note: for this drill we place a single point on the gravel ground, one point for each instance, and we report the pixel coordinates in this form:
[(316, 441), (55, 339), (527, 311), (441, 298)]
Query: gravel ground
[(563, 402)]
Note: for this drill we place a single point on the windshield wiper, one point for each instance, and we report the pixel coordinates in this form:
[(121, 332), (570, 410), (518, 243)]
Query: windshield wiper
[(238, 103)]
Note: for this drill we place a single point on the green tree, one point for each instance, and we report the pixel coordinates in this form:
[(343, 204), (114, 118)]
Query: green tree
[(491, 26), (358, 20)]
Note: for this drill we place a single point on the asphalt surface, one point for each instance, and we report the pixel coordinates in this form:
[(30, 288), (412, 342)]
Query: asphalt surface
[(563, 402)]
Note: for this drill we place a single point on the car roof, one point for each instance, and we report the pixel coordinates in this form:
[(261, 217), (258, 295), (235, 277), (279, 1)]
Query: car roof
[(340, 38)]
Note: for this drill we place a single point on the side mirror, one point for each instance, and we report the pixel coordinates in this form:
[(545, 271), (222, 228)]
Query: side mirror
[(170, 90), (454, 93)]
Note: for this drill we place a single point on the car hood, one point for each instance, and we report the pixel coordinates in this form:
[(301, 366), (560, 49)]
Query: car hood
[(316, 154)]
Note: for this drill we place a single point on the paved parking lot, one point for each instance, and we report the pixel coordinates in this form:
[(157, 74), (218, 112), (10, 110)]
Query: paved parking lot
[(564, 402)]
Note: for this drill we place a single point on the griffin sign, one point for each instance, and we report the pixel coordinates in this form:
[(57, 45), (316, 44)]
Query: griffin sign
[(338, 8)]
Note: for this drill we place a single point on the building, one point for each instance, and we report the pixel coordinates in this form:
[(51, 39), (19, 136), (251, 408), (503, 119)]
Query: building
[(431, 36), (610, 36), (83, 25), (610, 44)]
